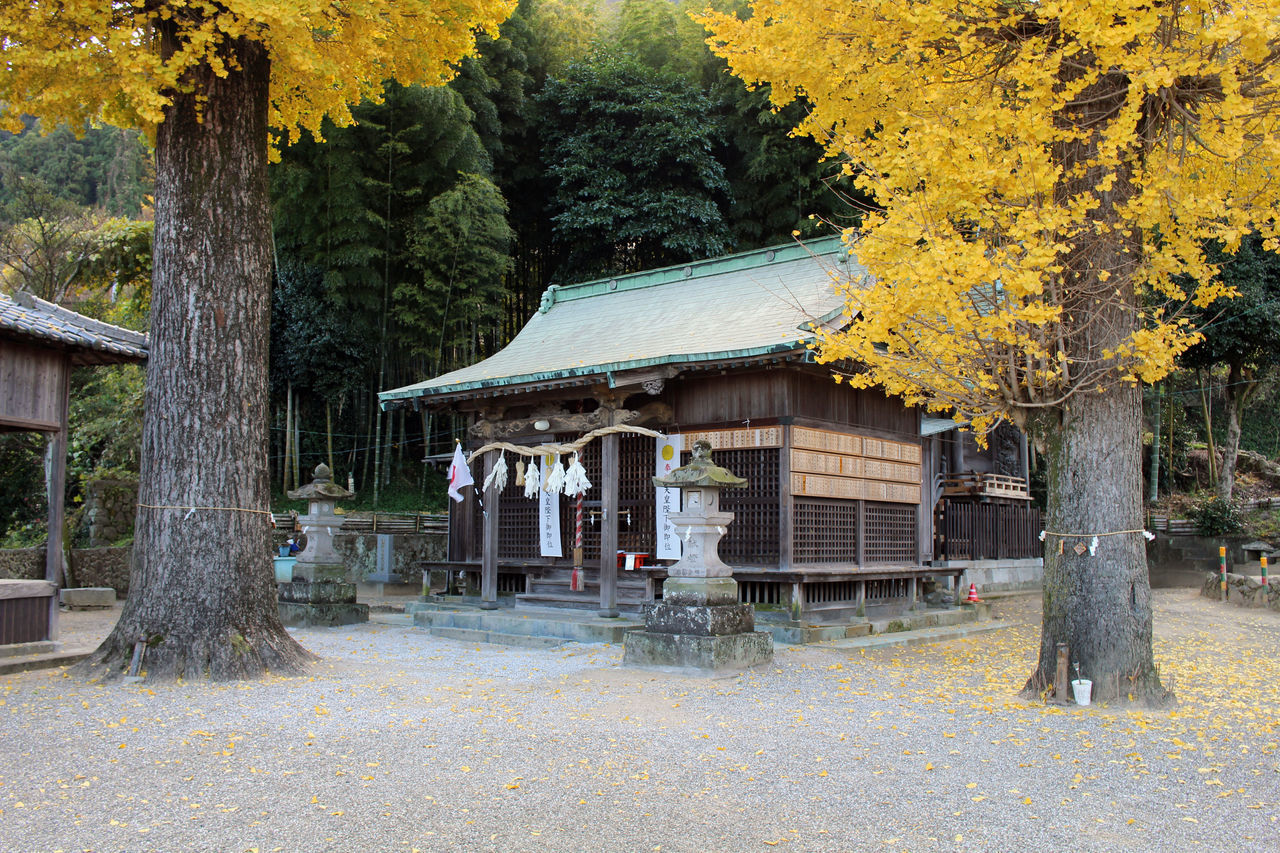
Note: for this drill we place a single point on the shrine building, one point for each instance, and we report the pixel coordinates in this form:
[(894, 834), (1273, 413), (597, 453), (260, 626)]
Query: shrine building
[(848, 489)]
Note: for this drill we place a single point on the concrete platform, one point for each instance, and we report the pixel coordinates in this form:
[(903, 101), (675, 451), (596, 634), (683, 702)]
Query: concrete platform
[(87, 597)]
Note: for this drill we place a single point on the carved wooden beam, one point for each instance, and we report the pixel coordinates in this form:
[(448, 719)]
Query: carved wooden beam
[(571, 424)]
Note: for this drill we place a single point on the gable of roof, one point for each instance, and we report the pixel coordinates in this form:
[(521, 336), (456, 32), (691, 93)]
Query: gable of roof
[(740, 306), (27, 318)]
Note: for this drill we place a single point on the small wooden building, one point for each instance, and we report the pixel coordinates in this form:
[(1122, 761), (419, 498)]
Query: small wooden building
[(837, 517), (39, 344)]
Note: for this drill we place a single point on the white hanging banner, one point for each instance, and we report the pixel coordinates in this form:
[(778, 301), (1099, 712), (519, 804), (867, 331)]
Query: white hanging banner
[(548, 512), (668, 500)]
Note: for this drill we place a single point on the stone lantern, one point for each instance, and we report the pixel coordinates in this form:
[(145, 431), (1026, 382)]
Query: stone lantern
[(699, 624), (319, 593)]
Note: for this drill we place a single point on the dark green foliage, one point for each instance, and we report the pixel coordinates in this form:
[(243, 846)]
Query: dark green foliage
[(1217, 517), (344, 205), (461, 243), (22, 498), (1243, 331), (780, 184), (637, 185), (106, 168), (312, 344)]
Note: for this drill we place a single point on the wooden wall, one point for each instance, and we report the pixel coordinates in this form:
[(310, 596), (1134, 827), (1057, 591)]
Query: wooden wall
[(31, 387), (804, 395)]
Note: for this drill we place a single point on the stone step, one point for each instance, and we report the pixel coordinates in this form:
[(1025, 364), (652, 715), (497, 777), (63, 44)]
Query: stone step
[(391, 618), (587, 601), (563, 625), (497, 638)]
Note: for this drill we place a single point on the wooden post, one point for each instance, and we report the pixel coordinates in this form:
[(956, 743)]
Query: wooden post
[(786, 507), (1060, 676), (489, 555), (56, 472), (1222, 569), (609, 476), (860, 547)]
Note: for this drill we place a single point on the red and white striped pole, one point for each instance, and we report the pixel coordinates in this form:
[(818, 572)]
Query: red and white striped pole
[(575, 579)]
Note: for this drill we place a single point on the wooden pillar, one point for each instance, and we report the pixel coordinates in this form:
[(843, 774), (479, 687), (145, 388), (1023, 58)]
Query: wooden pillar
[(912, 591), (489, 558), (786, 506), (609, 476), (860, 546), (56, 481)]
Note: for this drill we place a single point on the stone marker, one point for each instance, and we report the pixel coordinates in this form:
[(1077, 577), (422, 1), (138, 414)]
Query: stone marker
[(699, 624), (320, 594)]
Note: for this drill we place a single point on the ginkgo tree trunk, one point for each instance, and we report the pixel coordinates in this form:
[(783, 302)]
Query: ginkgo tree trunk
[(210, 80), (1047, 177)]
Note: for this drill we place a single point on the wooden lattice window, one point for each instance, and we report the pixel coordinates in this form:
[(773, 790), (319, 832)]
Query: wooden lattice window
[(752, 539), (590, 459), (890, 534), (637, 511), (825, 531)]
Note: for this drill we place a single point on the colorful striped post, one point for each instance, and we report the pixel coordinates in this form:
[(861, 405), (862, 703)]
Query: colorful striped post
[(1222, 569), (1264, 570), (575, 580)]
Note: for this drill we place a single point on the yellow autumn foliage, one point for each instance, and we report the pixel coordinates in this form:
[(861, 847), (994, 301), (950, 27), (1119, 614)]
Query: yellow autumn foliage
[(91, 60), (1047, 175)]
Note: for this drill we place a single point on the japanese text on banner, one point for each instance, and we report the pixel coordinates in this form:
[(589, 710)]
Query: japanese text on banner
[(668, 500), (548, 512)]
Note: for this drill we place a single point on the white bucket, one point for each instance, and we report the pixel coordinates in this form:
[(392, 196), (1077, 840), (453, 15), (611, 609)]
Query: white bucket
[(1082, 687)]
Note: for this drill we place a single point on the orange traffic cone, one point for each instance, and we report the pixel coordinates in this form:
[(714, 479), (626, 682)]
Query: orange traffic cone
[(973, 594)]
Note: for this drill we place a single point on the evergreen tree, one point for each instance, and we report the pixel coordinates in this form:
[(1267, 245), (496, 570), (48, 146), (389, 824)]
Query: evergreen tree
[(636, 182)]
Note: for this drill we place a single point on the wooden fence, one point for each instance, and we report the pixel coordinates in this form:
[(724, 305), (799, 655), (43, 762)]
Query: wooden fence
[(381, 522), (986, 531)]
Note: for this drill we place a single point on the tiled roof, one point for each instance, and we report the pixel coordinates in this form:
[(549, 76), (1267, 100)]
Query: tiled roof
[(27, 318), (736, 307)]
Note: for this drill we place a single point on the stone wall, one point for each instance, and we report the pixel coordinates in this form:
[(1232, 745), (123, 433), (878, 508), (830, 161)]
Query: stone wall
[(89, 566), (998, 575), (109, 510), (102, 567), (23, 564), (359, 553), (1241, 590), (1181, 561)]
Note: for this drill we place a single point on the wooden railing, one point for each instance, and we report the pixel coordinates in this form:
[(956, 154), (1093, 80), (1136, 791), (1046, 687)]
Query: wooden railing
[(986, 531), (984, 485), (381, 522)]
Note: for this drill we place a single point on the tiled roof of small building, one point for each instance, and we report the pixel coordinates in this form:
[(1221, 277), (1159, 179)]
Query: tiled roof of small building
[(724, 309), (25, 317)]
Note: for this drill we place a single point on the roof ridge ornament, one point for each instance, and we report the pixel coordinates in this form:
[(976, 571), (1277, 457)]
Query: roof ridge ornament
[(548, 299)]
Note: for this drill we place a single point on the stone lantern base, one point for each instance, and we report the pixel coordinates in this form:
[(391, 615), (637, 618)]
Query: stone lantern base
[(699, 625), (322, 604)]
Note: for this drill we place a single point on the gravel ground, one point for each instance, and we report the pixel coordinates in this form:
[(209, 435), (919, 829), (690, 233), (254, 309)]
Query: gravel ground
[(398, 741)]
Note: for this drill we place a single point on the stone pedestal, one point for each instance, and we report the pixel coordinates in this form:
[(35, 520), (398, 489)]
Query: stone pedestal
[(319, 595), (307, 604), (699, 624)]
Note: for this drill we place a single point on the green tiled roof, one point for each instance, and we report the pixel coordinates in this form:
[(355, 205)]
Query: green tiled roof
[(739, 306)]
